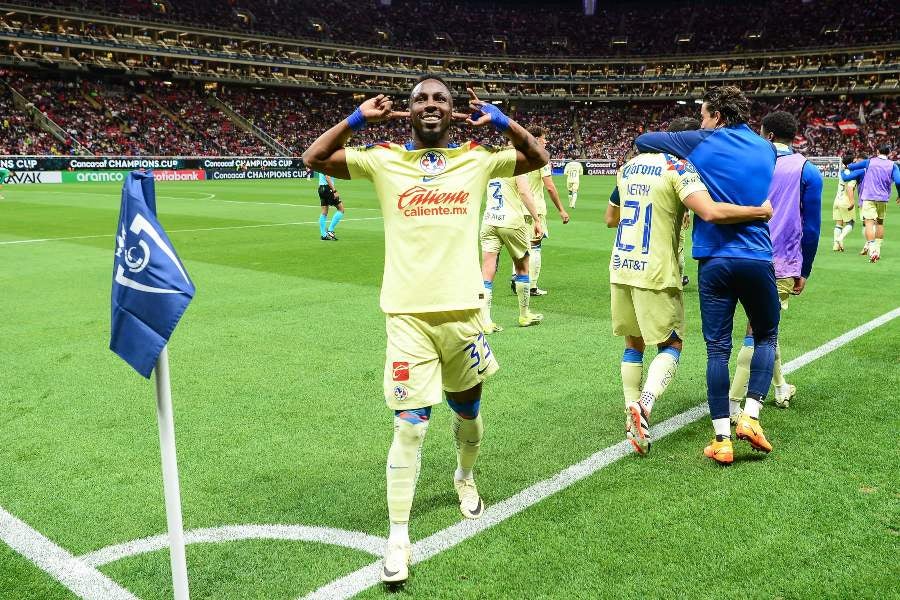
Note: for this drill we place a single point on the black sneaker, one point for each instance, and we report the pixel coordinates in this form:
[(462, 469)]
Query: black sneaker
[(330, 235), (324, 238), (684, 280), (512, 284)]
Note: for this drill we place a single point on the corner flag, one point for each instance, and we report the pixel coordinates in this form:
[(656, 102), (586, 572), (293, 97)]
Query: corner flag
[(150, 292), (150, 289)]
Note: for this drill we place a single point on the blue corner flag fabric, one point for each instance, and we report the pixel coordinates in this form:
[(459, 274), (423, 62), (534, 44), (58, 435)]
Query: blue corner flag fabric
[(150, 287)]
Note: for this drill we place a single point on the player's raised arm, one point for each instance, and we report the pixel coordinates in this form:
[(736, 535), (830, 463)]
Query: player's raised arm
[(326, 154), (529, 154), (725, 213)]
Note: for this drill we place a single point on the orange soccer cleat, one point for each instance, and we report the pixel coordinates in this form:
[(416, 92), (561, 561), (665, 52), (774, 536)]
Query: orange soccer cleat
[(720, 451), (749, 429)]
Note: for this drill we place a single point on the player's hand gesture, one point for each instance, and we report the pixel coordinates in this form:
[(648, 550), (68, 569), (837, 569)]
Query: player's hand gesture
[(484, 113), (767, 208), (799, 285), (538, 231), (379, 109), (564, 216)]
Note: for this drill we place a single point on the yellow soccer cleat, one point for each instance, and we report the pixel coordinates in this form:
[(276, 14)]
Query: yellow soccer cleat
[(530, 319), (492, 328), (470, 504), (637, 429), (395, 567), (720, 451), (835, 247), (749, 430)]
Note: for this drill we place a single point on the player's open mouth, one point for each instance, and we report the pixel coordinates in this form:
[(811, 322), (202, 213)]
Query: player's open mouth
[(431, 119)]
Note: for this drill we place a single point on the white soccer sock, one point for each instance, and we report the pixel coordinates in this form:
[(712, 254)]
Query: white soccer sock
[(468, 434), (574, 198), (752, 407), (738, 390), (722, 427), (404, 461), (777, 375), (399, 533), (734, 407), (534, 270), (524, 298), (661, 371), (845, 231), (837, 233)]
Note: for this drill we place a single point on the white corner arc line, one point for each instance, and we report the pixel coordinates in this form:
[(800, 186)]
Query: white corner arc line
[(354, 540), (83, 580), (366, 577), (112, 235)]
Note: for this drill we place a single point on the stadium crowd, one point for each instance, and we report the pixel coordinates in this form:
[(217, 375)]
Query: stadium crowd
[(114, 117), (471, 27)]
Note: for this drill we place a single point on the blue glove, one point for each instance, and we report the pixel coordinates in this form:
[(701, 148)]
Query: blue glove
[(498, 119)]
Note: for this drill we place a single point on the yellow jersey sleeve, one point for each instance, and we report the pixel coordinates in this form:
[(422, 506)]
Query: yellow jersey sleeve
[(503, 162), (546, 170), (361, 162)]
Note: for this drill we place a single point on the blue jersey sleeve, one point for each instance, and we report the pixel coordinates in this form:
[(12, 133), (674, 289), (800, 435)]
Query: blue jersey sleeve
[(862, 164), (854, 175), (897, 179), (680, 143), (811, 215)]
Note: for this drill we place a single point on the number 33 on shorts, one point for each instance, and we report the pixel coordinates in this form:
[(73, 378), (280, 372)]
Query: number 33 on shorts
[(479, 354)]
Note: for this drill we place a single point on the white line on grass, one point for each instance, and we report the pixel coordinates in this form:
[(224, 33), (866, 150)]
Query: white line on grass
[(355, 540), (112, 235), (368, 576), (85, 581), (284, 204)]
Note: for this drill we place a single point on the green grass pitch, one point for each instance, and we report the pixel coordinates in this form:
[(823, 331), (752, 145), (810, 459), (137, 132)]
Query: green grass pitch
[(276, 373)]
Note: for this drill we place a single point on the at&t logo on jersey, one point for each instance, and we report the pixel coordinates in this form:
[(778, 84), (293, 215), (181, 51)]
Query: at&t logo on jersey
[(433, 162), (629, 263)]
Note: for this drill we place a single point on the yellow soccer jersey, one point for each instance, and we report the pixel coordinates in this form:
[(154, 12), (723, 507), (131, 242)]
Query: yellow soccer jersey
[(840, 198), (504, 207), (431, 202), (645, 251), (573, 171), (536, 185)]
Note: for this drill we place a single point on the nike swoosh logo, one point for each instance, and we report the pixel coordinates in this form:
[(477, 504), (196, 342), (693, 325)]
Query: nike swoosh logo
[(389, 573), (481, 371), (427, 179)]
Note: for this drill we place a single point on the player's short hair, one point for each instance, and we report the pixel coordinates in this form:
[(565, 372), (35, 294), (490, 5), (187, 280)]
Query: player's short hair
[(683, 124), (846, 159), (884, 149), (730, 102), (537, 131), (780, 123), (429, 76)]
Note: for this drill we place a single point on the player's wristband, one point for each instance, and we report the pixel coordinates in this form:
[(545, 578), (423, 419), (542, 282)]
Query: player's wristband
[(498, 119), (356, 121)]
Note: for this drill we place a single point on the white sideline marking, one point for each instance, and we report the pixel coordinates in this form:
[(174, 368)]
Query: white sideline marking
[(355, 540), (368, 576), (284, 204), (85, 581), (112, 235)]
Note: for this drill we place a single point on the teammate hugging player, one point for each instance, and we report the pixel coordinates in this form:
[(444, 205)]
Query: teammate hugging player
[(504, 224), (328, 196), (432, 292), (645, 279)]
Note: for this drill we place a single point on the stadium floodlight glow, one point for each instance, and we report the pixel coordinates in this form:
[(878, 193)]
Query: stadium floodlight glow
[(698, 101), (680, 102)]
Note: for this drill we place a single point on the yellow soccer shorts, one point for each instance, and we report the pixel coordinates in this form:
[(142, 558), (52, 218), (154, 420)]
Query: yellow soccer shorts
[(494, 238), (651, 314), (785, 286), (840, 212), (429, 353), (572, 186), (871, 210)]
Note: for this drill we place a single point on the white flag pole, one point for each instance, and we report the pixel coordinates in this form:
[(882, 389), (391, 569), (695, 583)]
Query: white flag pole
[(170, 476)]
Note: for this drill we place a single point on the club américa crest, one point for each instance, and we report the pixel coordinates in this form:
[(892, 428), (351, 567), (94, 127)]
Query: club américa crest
[(433, 162)]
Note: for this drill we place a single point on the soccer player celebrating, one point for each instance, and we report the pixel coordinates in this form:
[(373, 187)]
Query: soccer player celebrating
[(843, 210), (328, 196), (432, 292), (796, 197), (537, 181), (573, 171), (645, 280), (4, 175), (874, 194), (504, 224), (735, 261)]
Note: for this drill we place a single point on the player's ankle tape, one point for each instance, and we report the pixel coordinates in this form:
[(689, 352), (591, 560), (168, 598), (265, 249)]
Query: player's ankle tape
[(356, 121)]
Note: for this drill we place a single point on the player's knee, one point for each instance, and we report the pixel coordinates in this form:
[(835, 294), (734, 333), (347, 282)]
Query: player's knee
[(465, 410), (718, 349), (672, 346), (411, 424)]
